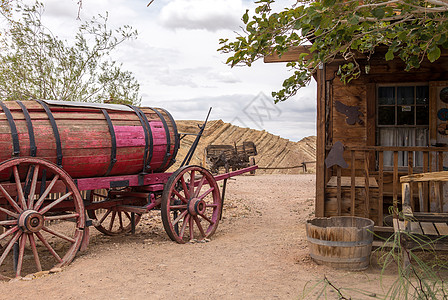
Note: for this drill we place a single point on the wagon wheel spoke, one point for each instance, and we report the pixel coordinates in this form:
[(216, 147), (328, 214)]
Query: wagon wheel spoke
[(199, 187), (202, 202), (184, 225), (178, 218), (120, 219), (19, 187), (190, 226), (191, 191), (185, 188), (206, 193), (61, 217), (35, 253), (22, 242), (104, 216), (54, 203), (207, 219), (33, 186), (58, 234), (198, 223), (9, 213), (9, 246), (10, 200), (8, 222), (56, 218), (178, 207), (8, 232), (182, 198), (127, 215), (112, 219), (48, 246), (47, 191)]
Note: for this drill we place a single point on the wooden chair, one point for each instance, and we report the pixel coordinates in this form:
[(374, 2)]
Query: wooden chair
[(430, 229)]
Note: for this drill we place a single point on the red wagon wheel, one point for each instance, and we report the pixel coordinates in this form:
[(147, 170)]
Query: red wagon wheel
[(110, 221), (42, 217), (191, 204)]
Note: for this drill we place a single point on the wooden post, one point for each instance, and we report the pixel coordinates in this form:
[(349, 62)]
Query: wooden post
[(395, 182), (380, 184), (367, 184), (320, 144), (410, 172), (339, 190), (353, 183)]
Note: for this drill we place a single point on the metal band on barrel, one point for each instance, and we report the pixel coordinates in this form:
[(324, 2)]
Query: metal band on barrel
[(176, 138), (57, 137), (168, 141), (12, 125), (113, 140), (148, 135), (29, 125)]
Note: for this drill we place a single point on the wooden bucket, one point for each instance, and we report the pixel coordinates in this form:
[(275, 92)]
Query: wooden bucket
[(341, 242)]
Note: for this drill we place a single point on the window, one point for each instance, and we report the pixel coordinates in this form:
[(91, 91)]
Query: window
[(402, 120)]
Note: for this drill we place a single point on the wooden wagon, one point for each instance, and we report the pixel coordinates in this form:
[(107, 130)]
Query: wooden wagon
[(235, 157), (65, 166)]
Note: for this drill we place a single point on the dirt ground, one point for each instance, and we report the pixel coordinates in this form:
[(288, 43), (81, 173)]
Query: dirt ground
[(258, 252)]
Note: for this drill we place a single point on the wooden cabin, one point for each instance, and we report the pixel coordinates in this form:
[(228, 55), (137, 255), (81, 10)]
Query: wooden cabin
[(386, 124)]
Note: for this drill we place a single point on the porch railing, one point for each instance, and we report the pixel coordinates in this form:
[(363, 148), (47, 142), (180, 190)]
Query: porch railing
[(370, 184)]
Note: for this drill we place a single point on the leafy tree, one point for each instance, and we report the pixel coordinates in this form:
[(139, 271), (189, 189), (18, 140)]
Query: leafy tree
[(411, 30), (35, 64)]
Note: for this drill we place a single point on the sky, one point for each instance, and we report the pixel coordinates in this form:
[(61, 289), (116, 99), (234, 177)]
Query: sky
[(176, 62)]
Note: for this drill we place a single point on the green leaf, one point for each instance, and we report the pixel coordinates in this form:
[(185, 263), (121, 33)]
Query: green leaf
[(378, 13), (354, 20), (246, 16), (389, 55), (434, 54)]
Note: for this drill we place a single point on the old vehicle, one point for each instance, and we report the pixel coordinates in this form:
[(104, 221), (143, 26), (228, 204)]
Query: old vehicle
[(228, 156), (65, 166)]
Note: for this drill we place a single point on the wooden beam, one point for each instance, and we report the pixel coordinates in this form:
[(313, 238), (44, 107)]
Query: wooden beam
[(292, 54), (320, 145)]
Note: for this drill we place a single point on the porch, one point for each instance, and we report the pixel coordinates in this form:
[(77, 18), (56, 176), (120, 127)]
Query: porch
[(370, 185)]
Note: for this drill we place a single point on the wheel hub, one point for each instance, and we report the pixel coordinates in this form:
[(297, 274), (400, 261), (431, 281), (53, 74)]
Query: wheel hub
[(196, 207), (30, 221)]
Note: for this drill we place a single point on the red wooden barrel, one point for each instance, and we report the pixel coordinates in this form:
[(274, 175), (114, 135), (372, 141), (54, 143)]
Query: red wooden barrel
[(89, 140)]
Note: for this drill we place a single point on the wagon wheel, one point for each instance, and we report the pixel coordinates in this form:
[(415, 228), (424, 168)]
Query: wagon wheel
[(44, 218), (109, 221), (191, 204)]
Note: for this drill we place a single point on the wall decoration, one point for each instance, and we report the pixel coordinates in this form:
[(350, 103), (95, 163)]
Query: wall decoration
[(351, 112), (442, 114), (444, 95), (443, 129), (335, 156)]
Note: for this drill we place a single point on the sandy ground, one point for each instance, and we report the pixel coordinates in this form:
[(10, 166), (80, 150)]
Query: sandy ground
[(258, 252)]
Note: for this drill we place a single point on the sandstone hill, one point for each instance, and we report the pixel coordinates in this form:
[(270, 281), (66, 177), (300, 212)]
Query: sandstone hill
[(273, 151)]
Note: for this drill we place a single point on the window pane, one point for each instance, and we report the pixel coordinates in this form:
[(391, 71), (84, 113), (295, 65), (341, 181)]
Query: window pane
[(422, 115), (405, 115), (386, 96), (422, 95), (386, 115), (405, 95)]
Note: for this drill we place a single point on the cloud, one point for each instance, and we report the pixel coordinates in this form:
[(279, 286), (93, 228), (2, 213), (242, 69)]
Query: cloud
[(202, 14), (289, 119)]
